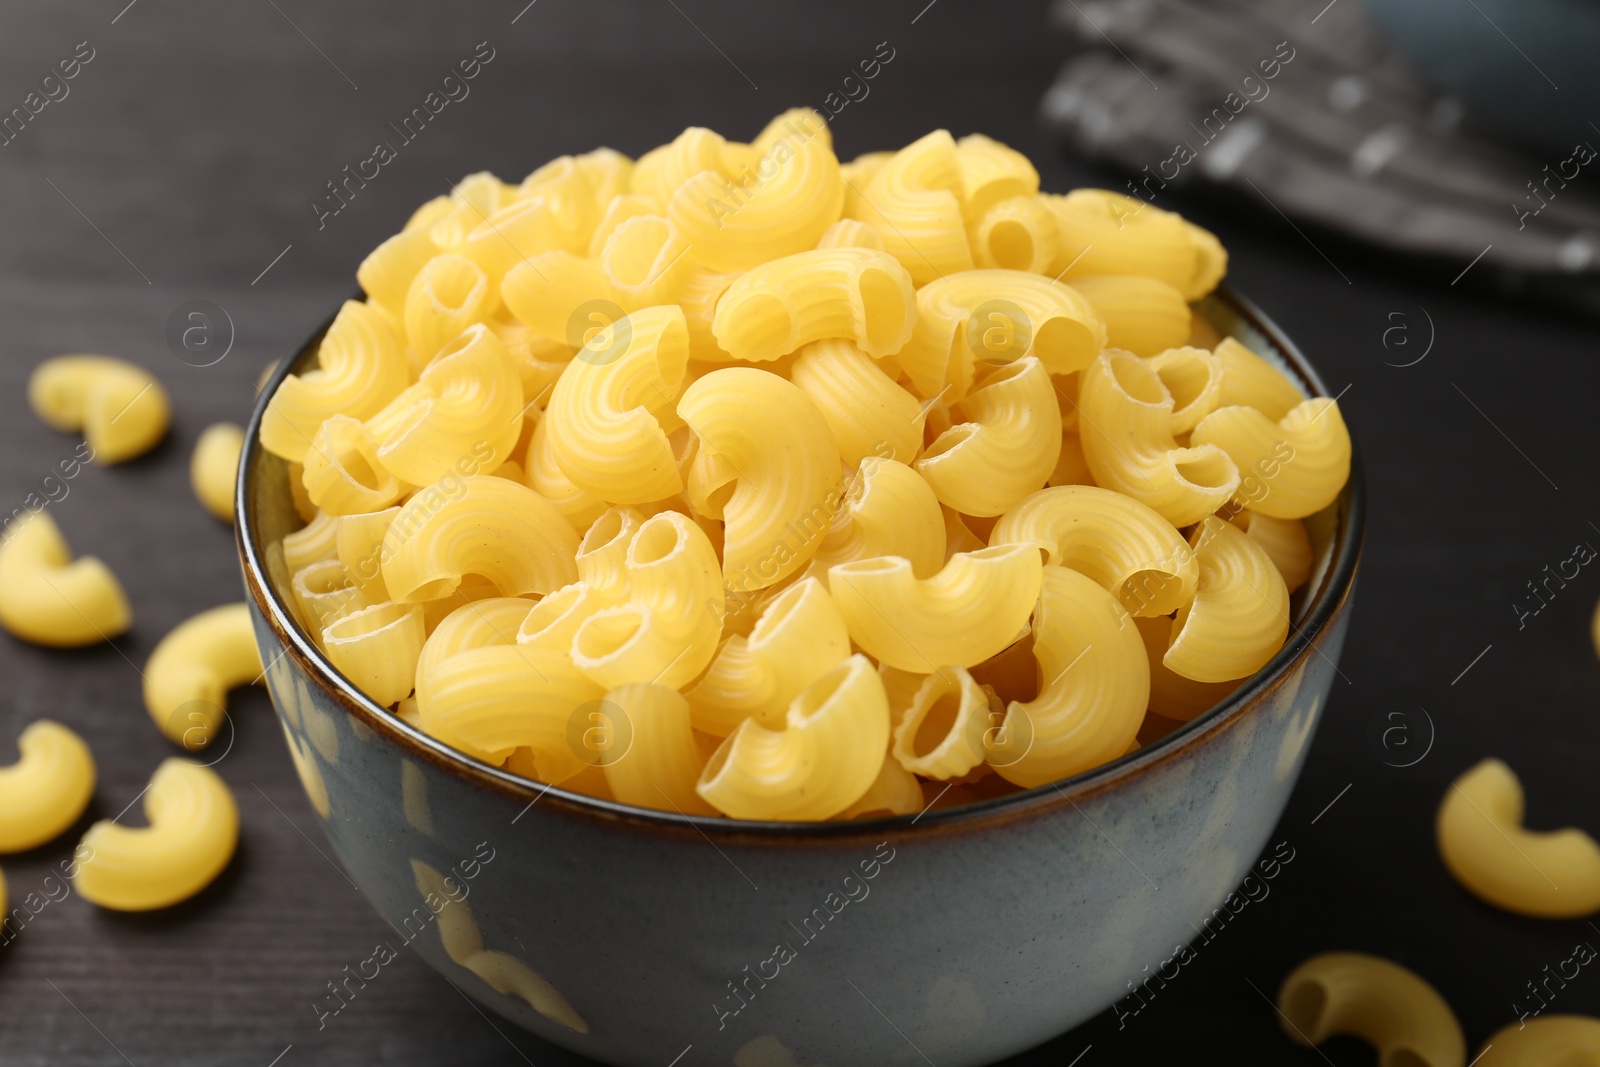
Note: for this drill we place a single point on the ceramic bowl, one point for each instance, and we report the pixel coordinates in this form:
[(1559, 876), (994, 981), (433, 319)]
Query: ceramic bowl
[(635, 937)]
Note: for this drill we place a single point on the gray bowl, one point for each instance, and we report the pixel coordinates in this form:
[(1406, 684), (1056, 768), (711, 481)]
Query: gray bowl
[(960, 936)]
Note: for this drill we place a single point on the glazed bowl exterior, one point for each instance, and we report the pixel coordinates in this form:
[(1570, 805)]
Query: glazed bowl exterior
[(958, 937)]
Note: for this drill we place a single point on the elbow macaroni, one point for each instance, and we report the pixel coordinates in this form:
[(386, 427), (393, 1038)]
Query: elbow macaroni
[(855, 293), (44, 792), (48, 597), (214, 468), (1382, 1003), (187, 678), (120, 408), (1548, 1041), (1005, 449), (1239, 616)]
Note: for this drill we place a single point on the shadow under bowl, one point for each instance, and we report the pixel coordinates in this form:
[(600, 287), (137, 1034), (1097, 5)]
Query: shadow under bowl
[(632, 936)]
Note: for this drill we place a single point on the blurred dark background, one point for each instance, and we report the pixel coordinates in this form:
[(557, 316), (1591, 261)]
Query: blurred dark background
[(181, 164)]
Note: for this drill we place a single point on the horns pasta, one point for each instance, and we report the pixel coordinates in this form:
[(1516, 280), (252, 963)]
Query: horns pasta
[(1301, 462), (1548, 1041), (889, 510), (490, 701), (1240, 612), (48, 597), (779, 306), (44, 792), (662, 762), (914, 201), (1383, 1003), (867, 412), (1142, 315), (1006, 447), (187, 678), (120, 408)]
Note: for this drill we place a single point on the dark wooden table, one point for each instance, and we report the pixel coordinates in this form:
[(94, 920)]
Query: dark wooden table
[(182, 165)]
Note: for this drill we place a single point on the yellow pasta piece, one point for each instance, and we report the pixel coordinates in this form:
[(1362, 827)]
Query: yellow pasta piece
[(613, 213), (1297, 466), (578, 506), (1018, 233), (1547, 1041), (466, 407), (377, 647), (993, 317), (1240, 612), (799, 637), (1006, 446), (358, 544), (914, 201), (1142, 315), (896, 791), (44, 792), (480, 624), (214, 468), (1125, 546), (941, 733), (187, 678), (1383, 1003), (387, 272), (662, 762), (1103, 232), (1126, 432), (1071, 466), (867, 413), (645, 262), (316, 541), (889, 510), (194, 828), (325, 591), (449, 293), (548, 219), (783, 468), (775, 206), (666, 631), (974, 607), (1093, 690), (833, 744), (471, 200), (1172, 696), (604, 423), (1250, 381), (1211, 262), (855, 293), (48, 597), (491, 701), (1553, 874), (610, 174), (120, 408), (850, 233), (552, 291), (361, 366), (856, 176), (1284, 540), (492, 527), (1194, 378), (343, 474), (991, 173)]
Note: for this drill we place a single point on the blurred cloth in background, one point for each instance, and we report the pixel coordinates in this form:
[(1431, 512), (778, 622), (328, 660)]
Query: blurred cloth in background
[(1314, 116)]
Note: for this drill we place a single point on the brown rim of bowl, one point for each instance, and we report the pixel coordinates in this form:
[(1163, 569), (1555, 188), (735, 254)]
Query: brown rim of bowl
[(1329, 598)]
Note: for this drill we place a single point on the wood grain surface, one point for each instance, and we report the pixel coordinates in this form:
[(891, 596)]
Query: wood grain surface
[(182, 164)]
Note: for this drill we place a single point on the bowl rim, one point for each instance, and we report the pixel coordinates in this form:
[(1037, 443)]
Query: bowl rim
[(1338, 580)]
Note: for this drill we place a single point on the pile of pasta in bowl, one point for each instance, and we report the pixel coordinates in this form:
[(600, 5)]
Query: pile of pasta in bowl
[(736, 480)]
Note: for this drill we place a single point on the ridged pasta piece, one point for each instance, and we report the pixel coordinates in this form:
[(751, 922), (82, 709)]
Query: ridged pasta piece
[(325, 591), (850, 233), (610, 174), (661, 765), (833, 744), (491, 701), (992, 172), (1300, 462), (1018, 233), (358, 544), (466, 407), (994, 317), (1125, 546), (786, 469), (575, 188), (974, 607), (361, 366), (1127, 440), (1383, 1003), (1240, 612), (604, 423), (896, 791), (602, 583), (941, 735), (578, 506), (46, 790), (799, 637), (547, 293), (619, 209), (781, 305), (1285, 541), (343, 474), (1194, 378), (914, 201), (377, 647), (866, 411), (888, 510), (537, 360), (857, 175), (1006, 445), (1142, 315), (214, 467), (1102, 232), (1172, 696), (387, 272), (698, 298), (298, 497), (120, 408), (480, 624), (493, 527), (194, 828), (449, 294), (1549, 874), (696, 149), (1071, 466), (666, 631), (735, 219), (472, 199), (1094, 686), (316, 540), (645, 262), (187, 678), (1250, 381), (49, 598), (548, 219), (1547, 1041)]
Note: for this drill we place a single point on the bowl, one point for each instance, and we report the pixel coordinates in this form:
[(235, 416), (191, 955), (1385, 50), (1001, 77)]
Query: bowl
[(960, 936)]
